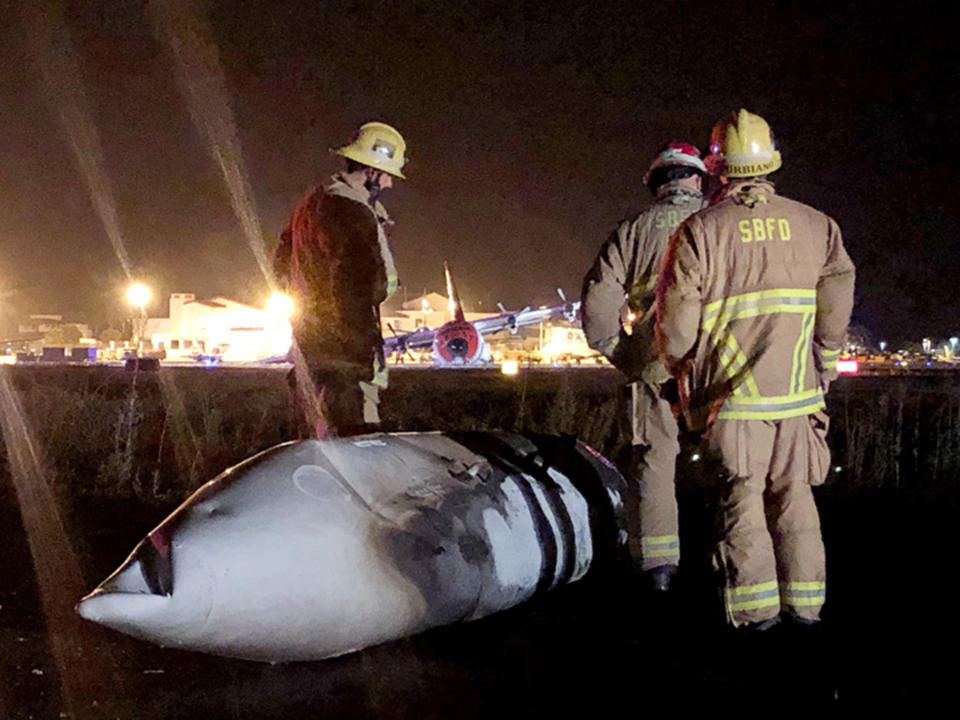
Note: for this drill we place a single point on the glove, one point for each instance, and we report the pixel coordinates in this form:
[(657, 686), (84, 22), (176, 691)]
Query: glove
[(655, 374)]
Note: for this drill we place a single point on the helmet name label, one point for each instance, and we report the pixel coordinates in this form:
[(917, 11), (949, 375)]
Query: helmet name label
[(760, 229)]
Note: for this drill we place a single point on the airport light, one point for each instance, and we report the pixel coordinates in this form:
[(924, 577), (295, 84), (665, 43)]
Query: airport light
[(510, 367), (280, 305), (424, 309), (138, 295)]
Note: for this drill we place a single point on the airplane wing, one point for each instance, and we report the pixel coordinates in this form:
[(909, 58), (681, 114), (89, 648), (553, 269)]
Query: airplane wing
[(415, 340), (527, 316), (424, 337)]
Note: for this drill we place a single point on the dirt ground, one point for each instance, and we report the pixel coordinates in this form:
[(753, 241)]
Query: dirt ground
[(601, 646)]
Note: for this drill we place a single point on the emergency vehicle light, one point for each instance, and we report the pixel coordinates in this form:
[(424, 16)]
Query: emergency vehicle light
[(848, 366)]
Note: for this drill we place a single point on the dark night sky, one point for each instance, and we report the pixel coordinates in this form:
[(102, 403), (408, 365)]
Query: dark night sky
[(529, 127)]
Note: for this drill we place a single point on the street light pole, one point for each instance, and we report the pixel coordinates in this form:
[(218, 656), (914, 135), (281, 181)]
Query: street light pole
[(138, 295)]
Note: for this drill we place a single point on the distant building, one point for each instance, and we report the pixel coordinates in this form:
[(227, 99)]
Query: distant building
[(41, 324), (217, 326), (40, 330), (431, 310)]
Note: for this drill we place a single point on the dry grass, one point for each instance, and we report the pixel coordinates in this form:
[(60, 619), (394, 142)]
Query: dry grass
[(154, 437)]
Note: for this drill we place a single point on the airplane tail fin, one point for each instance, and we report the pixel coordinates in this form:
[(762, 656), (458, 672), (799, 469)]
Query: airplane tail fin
[(452, 298)]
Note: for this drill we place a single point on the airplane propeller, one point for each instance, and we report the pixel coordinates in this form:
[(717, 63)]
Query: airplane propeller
[(402, 348)]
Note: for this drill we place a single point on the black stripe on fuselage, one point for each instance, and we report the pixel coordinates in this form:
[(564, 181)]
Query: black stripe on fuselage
[(522, 466)]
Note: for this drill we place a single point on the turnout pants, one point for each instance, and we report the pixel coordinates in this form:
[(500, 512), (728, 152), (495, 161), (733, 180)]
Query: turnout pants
[(770, 552), (654, 534)]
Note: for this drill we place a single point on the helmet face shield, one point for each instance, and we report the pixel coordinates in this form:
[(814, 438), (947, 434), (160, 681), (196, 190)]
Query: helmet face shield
[(384, 148)]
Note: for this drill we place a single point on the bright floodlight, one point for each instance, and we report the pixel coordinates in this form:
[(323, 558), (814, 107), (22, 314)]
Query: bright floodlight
[(138, 295), (509, 367), (280, 304)]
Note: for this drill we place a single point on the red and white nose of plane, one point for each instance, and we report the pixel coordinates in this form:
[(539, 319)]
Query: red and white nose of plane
[(457, 342)]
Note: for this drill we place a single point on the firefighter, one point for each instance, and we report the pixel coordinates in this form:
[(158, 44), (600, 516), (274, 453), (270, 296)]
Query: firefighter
[(753, 303), (336, 263), (622, 282)]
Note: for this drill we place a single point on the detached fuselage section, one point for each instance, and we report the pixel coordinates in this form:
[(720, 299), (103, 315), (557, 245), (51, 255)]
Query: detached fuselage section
[(317, 548)]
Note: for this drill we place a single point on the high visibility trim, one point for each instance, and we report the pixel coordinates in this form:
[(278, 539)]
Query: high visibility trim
[(778, 400), (661, 552), (751, 589), (763, 310), (773, 601), (746, 401), (803, 593), (734, 361), (758, 295), (804, 585), (751, 597), (660, 546), (770, 414), (801, 351), (763, 302), (772, 408), (828, 358), (804, 601), (808, 593)]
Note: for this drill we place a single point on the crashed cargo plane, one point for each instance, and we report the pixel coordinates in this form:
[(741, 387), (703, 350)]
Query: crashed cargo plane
[(317, 548)]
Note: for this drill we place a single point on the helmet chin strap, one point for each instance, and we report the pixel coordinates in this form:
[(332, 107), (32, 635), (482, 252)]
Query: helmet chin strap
[(372, 184)]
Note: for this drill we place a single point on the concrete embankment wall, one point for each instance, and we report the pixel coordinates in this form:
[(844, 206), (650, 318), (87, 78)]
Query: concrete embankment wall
[(155, 437)]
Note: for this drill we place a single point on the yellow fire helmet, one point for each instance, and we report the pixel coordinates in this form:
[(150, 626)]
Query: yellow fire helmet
[(379, 146), (743, 145)]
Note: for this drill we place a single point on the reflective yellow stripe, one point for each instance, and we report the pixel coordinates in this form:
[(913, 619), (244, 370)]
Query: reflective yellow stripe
[(760, 402), (753, 604), (739, 598), (759, 295), (803, 593), (804, 601), (660, 546), (746, 401), (828, 358), (801, 352), (774, 407), (751, 589), (766, 302), (771, 414), (664, 552), (734, 361), (757, 312), (804, 585)]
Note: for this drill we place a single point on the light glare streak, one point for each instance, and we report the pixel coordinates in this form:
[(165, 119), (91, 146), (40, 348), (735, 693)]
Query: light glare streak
[(205, 91), (61, 72)]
